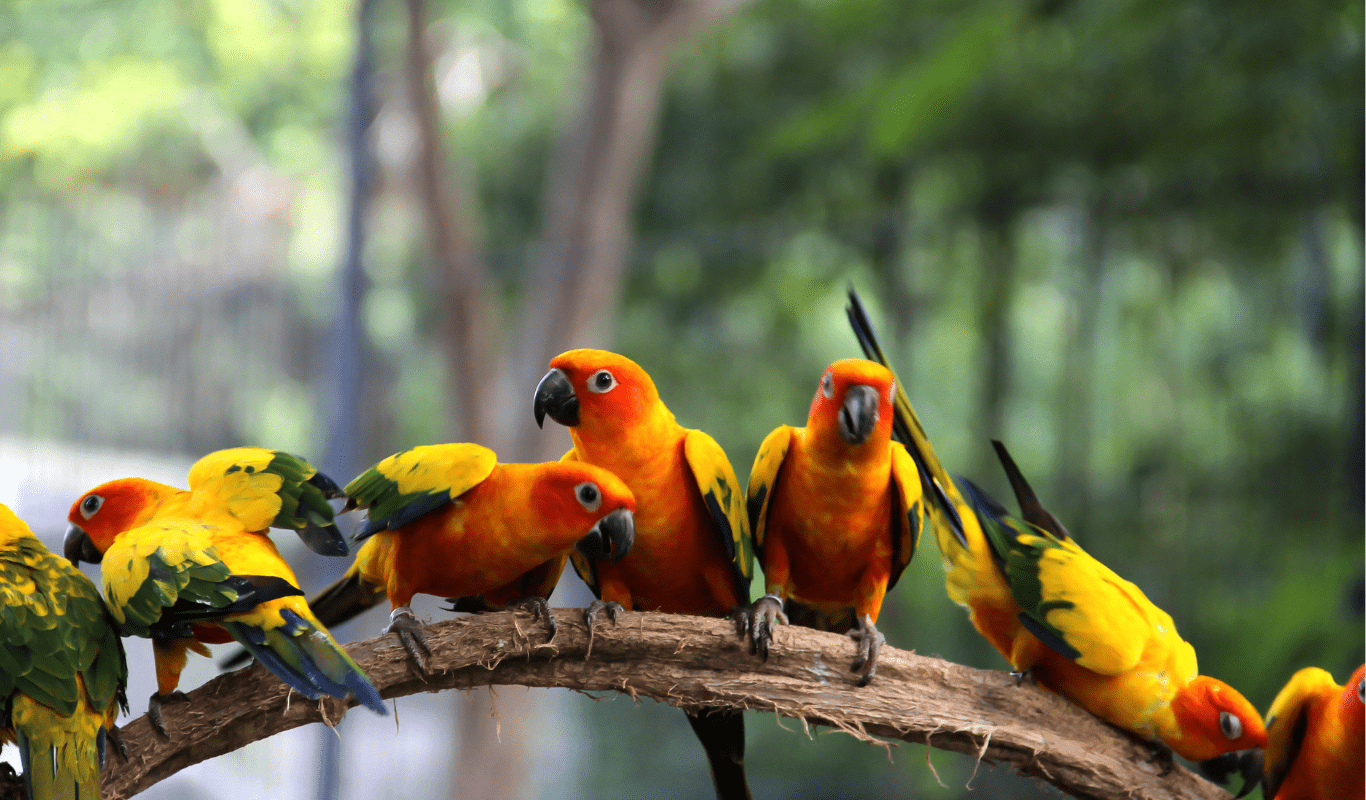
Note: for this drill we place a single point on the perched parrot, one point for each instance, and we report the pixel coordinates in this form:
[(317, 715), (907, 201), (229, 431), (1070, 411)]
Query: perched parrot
[(449, 520), (185, 568), (692, 554), (836, 510), (1315, 740), (62, 672), (1064, 618)]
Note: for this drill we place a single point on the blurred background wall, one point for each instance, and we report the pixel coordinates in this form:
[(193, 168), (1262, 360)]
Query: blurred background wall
[(1124, 237)]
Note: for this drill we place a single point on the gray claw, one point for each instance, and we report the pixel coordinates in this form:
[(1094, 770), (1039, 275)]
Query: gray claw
[(411, 634), (590, 616), (540, 609), (758, 620), (154, 705), (870, 641)]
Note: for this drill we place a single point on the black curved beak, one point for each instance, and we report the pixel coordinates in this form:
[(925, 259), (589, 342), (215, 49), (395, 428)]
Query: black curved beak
[(610, 538), (555, 396), (1246, 763), (77, 547), (325, 540), (858, 414)]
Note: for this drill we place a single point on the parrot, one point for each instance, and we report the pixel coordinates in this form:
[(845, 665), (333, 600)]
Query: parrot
[(836, 509), (1315, 740), (449, 520), (1058, 615), (692, 552), (62, 667), (185, 568)]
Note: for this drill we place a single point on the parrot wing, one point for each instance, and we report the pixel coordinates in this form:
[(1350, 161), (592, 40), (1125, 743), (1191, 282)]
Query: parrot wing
[(1287, 721), (269, 489), (763, 477), (163, 576), (721, 493), (907, 513), (407, 485), (1073, 603)]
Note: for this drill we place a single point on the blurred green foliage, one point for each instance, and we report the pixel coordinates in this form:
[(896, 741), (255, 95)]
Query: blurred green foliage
[(1124, 237)]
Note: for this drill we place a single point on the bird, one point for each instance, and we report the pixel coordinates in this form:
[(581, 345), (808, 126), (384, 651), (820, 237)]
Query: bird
[(449, 520), (836, 509), (185, 568), (1315, 740), (62, 667), (692, 552), (1063, 618)]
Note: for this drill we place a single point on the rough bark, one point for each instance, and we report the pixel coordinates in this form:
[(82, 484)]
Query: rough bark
[(691, 662)]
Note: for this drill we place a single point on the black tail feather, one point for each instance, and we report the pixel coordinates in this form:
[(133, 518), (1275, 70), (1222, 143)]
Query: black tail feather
[(722, 734)]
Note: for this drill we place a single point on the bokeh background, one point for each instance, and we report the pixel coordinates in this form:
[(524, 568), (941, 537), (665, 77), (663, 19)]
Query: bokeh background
[(1124, 236)]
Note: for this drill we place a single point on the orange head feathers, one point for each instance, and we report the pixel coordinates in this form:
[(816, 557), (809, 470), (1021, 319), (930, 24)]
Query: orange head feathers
[(1214, 719), (596, 390), (854, 399), (109, 509), (597, 499)]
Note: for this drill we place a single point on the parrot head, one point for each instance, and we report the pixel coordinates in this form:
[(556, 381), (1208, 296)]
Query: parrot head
[(595, 389), (1214, 719), (1354, 704), (591, 498), (855, 400), (104, 512)]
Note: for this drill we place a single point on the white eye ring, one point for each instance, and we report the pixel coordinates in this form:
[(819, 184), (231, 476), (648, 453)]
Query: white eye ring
[(891, 392), (1231, 726), (90, 505), (601, 382), (828, 386), (589, 495)]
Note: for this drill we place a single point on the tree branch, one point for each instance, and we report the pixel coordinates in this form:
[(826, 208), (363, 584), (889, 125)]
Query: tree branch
[(691, 662)]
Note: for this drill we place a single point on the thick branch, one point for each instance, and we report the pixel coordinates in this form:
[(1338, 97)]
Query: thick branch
[(691, 662)]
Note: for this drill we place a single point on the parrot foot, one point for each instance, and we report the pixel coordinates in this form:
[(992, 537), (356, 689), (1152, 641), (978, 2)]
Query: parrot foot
[(755, 622), (540, 609), (115, 737), (154, 704), (1023, 675), (590, 618), (411, 634), (1163, 757), (870, 641)]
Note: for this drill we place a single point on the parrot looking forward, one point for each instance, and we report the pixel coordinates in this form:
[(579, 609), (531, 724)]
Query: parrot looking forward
[(62, 671), (1315, 740), (692, 554), (185, 568), (449, 520), (836, 509), (1056, 613)]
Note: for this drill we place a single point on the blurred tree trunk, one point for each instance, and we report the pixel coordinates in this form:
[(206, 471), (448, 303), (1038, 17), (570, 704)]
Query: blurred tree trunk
[(572, 291)]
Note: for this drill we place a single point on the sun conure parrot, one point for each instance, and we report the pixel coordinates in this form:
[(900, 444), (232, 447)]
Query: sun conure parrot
[(62, 672), (836, 510), (692, 554), (185, 568), (449, 520), (1315, 740), (1059, 615)]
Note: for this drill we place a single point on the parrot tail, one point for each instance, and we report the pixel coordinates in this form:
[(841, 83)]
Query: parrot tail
[(347, 598), (306, 657), (722, 734), (59, 770)]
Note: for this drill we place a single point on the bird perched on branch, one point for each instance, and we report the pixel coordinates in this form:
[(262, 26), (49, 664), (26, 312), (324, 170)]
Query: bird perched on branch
[(1059, 615), (451, 521), (62, 670), (1315, 740), (836, 510), (692, 553), (185, 568)]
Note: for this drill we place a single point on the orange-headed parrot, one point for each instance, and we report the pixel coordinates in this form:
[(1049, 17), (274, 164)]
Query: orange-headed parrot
[(449, 520), (1059, 615), (692, 554), (185, 568), (62, 672), (1315, 740), (836, 510)]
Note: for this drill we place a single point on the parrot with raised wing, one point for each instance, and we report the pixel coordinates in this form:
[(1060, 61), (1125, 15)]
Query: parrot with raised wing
[(62, 670), (692, 552), (1056, 613), (836, 510), (186, 568), (1315, 739), (449, 520)]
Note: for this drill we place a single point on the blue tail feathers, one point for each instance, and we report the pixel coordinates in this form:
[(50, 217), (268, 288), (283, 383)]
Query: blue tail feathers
[(307, 660)]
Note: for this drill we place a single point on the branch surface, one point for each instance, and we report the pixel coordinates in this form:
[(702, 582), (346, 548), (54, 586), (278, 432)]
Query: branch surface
[(690, 662)]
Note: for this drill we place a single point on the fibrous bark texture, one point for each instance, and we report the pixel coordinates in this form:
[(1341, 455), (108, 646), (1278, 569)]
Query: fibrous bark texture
[(691, 662)]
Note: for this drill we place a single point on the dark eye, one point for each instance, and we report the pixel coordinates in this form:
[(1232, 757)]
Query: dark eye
[(588, 495), (602, 381), (90, 505), (1230, 725), (828, 386)]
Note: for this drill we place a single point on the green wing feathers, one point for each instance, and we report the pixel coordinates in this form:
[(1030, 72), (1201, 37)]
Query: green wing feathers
[(407, 485)]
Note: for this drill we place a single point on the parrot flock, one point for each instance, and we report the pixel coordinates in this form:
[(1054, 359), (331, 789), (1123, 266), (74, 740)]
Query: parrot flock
[(652, 517)]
